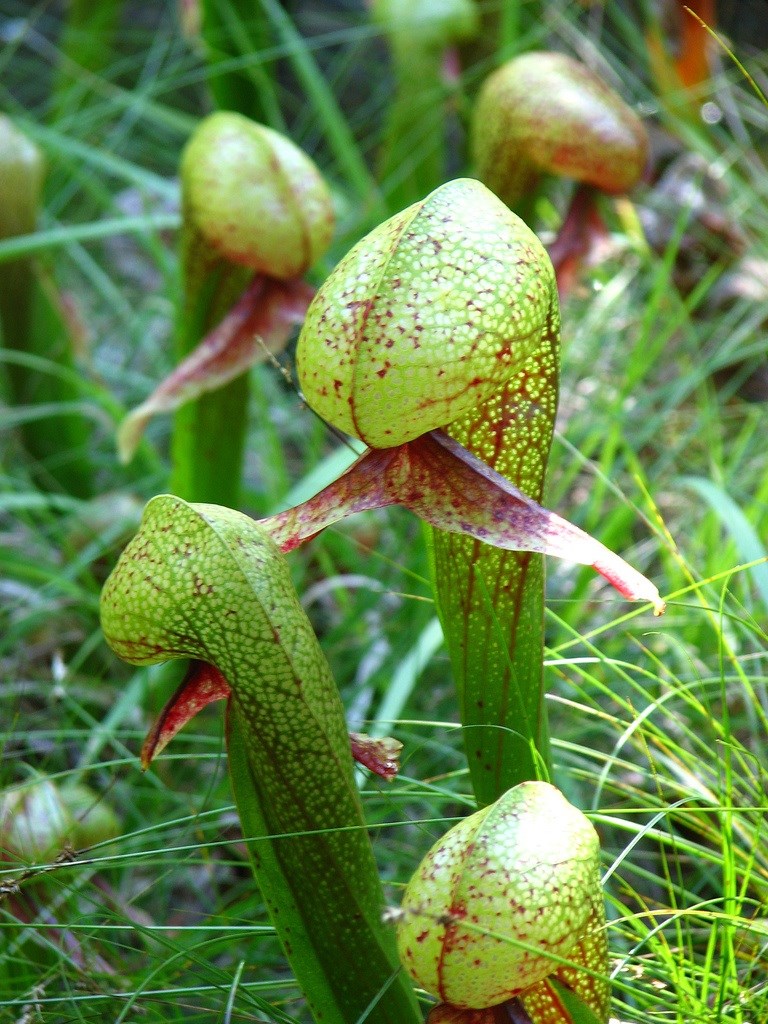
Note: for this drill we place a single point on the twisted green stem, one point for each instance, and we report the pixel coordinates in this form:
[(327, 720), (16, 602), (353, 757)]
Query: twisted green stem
[(490, 601)]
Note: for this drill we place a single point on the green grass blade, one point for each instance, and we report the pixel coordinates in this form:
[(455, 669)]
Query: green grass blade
[(741, 531)]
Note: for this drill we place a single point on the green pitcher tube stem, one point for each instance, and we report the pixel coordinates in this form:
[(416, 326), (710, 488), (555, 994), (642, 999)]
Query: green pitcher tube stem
[(23, 169), (494, 632), (491, 602), (33, 324), (204, 468)]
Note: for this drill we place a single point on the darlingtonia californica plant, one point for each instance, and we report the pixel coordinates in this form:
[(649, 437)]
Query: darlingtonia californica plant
[(546, 114), (209, 584), (37, 351), (506, 912), (435, 342), (256, 216)]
